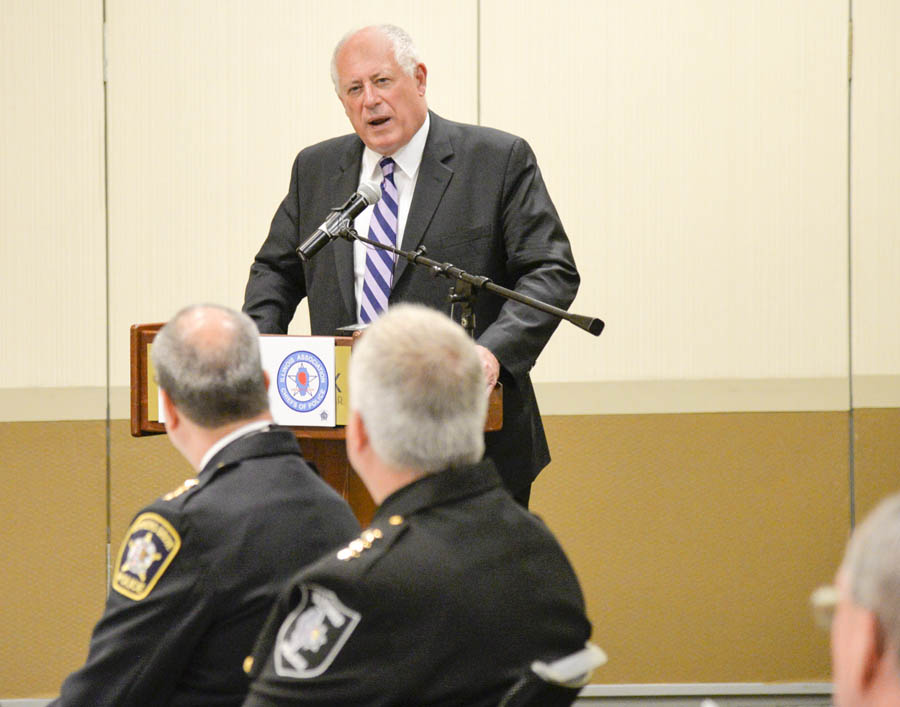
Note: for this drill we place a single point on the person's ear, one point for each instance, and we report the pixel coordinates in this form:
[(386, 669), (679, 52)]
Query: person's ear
[(266, 379), (173, 419), (357, 435), (872, 649), (421, 76)]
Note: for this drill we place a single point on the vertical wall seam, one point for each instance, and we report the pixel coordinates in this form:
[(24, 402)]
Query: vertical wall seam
[(851, 422), (108, 428)]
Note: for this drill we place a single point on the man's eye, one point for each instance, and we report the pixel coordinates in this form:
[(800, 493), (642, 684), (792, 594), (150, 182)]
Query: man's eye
[(382, 81), (353, 90)]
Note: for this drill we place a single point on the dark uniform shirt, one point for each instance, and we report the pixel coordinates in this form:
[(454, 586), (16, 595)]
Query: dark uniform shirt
[(198, 572), (450, 595)]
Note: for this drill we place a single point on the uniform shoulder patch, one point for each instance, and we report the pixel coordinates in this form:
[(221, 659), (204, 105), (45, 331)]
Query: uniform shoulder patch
[(150, 545), (186, 486), (313, 634)]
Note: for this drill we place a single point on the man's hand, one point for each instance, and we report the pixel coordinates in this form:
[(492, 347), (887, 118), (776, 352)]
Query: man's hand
[(490, 365)]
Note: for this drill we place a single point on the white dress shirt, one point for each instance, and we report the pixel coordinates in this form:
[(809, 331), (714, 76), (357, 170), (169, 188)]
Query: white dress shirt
[(406, 170)]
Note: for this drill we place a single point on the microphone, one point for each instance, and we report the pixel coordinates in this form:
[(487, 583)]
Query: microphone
[(339, 219)]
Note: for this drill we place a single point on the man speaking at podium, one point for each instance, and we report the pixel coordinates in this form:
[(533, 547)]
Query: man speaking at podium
[(472, 196)]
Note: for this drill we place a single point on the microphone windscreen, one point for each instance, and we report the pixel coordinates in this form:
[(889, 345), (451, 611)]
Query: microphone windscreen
[(370, 191)]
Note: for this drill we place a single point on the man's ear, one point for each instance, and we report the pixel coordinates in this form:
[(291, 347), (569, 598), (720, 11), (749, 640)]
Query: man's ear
[(357, 435), (421, 76), (266, 378), (173, 419), (872, 647)]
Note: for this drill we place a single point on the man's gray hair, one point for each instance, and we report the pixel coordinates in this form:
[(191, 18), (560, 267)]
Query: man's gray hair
[(872, 566), (212, 380), (417, 382), (405, 51)]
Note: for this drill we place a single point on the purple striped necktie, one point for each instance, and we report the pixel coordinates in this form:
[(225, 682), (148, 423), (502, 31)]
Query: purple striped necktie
[(379, 273)]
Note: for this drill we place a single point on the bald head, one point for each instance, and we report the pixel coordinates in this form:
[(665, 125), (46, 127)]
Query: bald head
[(207, 360)]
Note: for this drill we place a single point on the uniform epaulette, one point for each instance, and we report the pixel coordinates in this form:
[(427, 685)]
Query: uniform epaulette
[(357, 547), (186, 486), (369, 537)]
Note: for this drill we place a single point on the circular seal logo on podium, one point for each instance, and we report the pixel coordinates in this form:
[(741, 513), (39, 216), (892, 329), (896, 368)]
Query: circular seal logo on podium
[(302, 381)]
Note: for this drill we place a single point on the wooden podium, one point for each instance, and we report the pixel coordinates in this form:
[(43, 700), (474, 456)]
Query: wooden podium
[(322, 446)]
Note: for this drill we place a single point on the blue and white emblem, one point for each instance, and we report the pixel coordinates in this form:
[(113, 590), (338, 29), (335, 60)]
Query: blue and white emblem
[(302, 381), (313, 634)]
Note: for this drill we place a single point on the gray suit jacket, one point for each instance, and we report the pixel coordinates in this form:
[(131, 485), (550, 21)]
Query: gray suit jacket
[(481, 204)]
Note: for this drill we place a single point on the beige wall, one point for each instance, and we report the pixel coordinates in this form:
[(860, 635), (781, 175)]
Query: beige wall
[(875, 183), (52, 241), (698, 153)]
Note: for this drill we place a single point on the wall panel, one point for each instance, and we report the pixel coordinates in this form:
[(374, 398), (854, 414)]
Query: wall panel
[(875, 184), (698, 538), (52, 233), (697, 154), (53, 583), (877, 455)]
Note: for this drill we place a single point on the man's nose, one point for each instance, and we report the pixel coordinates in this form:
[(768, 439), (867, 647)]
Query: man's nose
[(370, 95)]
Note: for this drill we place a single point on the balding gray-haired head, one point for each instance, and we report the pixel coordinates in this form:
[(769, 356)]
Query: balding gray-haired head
[(405, 51), (207, 361), (417, 383)]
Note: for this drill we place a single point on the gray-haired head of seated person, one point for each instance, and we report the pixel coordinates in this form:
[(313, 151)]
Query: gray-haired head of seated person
[(207, 361), (871, 567), (863, 609), (417, 383)]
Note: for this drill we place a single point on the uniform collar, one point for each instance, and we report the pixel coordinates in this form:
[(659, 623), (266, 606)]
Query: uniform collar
[(437, 489), (249, 428), (256, 443)]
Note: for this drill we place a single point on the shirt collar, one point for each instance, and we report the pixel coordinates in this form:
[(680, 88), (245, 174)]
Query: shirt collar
[(407, 158), (231, 437)]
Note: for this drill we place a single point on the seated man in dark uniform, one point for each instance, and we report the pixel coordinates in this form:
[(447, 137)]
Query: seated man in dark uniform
[(200, 567), (454, 589)]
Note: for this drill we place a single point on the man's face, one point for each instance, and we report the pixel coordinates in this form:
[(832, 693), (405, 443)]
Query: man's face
[(386, 106)]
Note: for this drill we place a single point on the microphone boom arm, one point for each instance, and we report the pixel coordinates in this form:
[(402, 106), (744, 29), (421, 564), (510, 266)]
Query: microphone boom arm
[(473, 283)]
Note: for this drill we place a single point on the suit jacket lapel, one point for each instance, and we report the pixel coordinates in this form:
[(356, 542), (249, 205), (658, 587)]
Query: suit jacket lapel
[(346, 180), (434, 176)]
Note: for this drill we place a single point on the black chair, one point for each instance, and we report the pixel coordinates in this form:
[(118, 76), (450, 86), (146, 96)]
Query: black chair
[(556, 684)]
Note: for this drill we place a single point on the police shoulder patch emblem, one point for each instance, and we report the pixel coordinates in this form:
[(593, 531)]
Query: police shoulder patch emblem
[(313, 634), (150, 545)]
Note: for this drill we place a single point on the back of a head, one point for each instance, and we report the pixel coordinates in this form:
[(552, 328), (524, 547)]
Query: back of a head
[(417, 382), (872, 566), (207, 360)]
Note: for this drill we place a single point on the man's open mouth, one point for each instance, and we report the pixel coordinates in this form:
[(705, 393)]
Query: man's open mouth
[(375, 122)]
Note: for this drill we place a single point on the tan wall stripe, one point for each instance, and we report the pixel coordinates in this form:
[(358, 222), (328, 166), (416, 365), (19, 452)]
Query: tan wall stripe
[(590, 398)]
